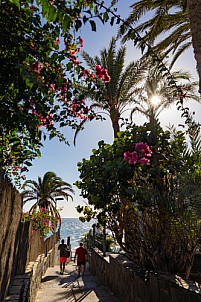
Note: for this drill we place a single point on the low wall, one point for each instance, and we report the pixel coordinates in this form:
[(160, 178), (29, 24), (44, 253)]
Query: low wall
[(133, 284), (10, 216), (18, 245), (24, 287)]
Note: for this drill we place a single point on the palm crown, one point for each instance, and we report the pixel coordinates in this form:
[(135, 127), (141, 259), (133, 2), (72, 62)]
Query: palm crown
[(118, 93), (156, 84), (169, 17), (45, 190)]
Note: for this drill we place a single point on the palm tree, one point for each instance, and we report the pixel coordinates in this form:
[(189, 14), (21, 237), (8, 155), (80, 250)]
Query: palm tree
[(157, 85), (118, 93), (169, 17), (45, 190), (194, 8)]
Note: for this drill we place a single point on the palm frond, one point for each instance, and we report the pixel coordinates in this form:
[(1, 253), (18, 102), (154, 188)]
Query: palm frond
[(89, 60), (77, 131), (167, 17), (179, 51)]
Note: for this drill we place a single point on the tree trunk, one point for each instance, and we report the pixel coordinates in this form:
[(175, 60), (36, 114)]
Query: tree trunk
[(115, 125), (194, 7)]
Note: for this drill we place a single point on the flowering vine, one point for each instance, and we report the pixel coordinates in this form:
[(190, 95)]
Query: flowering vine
[(140, 156), (41, 94), (43, 220)]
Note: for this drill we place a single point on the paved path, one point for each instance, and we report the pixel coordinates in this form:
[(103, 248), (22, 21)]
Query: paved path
[(70, 287)]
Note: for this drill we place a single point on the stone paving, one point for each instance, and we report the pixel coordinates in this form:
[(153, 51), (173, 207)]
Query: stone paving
[(70, 287)]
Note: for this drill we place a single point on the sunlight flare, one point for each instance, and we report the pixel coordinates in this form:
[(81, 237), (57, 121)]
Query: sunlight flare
[(155, 100)]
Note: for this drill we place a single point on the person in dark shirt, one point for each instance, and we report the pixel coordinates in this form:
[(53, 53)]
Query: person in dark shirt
[(63, 259), (81, 254)]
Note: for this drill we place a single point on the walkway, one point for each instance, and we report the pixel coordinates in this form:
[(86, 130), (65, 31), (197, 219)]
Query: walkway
[(70, 287)]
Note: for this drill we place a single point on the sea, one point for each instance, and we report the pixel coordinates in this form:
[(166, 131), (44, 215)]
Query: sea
[(75, 229)]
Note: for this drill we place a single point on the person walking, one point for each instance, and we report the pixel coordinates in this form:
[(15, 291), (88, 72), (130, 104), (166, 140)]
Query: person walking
[(63, 256), (81, 254)]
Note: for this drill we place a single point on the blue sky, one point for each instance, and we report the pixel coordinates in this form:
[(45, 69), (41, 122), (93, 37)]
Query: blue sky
[(63, 159)]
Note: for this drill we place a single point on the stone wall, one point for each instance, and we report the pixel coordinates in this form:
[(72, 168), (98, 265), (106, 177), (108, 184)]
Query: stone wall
[(18, 246), (24, 287), (10, 215), (132, 284)]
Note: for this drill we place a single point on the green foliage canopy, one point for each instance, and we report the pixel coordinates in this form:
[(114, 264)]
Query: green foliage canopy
[(37, 79), (144, 203), (106, 177)]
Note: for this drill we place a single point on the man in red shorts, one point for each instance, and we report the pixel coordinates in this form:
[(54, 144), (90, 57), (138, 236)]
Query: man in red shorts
[(63, 259), (81, 254)]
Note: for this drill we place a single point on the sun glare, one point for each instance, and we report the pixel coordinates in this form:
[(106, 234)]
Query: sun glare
[(155, 100)]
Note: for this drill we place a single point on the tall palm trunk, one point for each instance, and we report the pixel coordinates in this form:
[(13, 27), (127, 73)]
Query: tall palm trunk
[(114, 116), (115, 126), (194, 7)]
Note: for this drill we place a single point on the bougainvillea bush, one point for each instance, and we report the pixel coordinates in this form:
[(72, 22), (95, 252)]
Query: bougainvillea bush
[(43, 220), (39, 71), (136, 188)]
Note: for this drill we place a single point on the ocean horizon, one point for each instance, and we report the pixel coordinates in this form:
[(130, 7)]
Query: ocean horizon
[(75, 229)]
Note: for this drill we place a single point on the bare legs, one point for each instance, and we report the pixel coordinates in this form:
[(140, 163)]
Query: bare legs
[(83, 269), (62, 267)]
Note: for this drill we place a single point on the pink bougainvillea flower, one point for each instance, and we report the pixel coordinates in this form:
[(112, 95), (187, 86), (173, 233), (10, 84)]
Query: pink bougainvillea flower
[(144, 160), (107, 79), (57, 41), (104, 72), (98, 68), (134, 155), (139, 145), (80, 39), (132, 161), (72, 52), (144, 148), (148, 154), (126, 156)]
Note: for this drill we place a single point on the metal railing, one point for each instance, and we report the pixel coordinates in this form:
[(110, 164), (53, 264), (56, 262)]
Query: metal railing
[(97, 239)]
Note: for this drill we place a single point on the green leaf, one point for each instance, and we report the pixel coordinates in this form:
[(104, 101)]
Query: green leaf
[(122, 28), (28, 164), (95, 10), (29, 83), (118, 21), (45, 7), (60, 16), (105, 17), (85, 19), (78, 24), (107, 146), (132, 35), (93, 25), (52, 14), (112, 21), (66, 23), (79, 209)]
